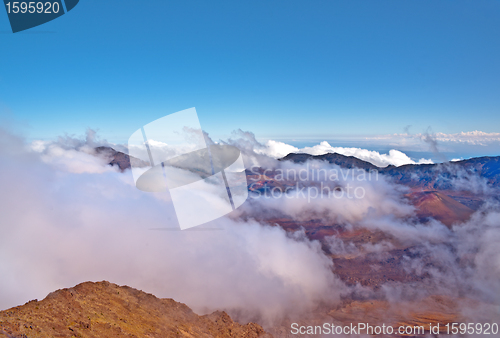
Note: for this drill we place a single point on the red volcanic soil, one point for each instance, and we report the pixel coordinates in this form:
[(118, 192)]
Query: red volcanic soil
[(437, 205), (386, 262), (432, 310), (99, 310), (359, 267)]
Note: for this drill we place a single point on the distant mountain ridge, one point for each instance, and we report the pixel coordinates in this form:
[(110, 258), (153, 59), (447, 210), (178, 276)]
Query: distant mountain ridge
[(426, 176), (432, 176)]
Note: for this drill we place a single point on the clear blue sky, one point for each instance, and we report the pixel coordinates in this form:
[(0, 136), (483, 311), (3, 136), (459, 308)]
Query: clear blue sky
[(282, 69)]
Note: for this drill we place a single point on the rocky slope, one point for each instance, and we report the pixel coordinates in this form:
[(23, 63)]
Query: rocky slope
[(107, 310)]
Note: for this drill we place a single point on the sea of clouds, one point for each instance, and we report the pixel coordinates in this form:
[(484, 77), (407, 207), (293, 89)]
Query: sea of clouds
[(67, 217)]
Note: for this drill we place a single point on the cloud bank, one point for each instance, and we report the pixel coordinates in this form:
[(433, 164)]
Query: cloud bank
[(277, 149), (66, 218), (475, 137), (64, 222)]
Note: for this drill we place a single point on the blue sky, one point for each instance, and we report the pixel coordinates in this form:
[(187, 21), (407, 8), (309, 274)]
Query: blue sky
[(283, 69)]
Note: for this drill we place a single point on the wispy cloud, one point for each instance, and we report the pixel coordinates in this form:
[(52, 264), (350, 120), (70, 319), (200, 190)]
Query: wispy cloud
[(476, 137), (61, 226)]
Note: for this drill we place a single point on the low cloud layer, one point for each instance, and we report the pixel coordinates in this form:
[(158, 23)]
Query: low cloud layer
[(62, 225), (69, 218), (466, 144), (475, 137)]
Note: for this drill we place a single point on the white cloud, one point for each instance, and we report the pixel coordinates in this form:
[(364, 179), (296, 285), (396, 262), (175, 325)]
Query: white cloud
[(395, 157), (82, 160), (62, 225), (420, 142), (276, 149), (470, 137)]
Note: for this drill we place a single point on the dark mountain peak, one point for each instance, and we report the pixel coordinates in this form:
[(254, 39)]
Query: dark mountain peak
[(120, 159), (343, 161)]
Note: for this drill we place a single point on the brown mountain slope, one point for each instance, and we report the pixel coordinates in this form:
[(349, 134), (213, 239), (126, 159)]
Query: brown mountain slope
[(108, 310), (440, 206), (431, 310)]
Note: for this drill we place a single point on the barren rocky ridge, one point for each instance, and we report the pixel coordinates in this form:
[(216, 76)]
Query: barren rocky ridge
[(104, 309)]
